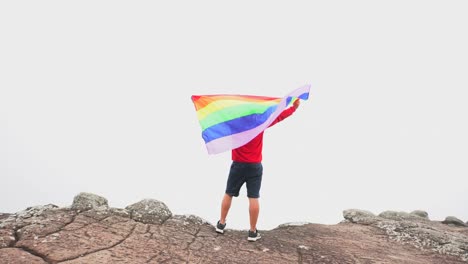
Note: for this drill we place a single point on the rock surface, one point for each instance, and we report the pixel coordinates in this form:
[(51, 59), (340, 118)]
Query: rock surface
[(99, 234)]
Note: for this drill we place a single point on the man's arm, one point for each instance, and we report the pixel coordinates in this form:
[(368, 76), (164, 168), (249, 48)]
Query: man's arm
[(286, 113)]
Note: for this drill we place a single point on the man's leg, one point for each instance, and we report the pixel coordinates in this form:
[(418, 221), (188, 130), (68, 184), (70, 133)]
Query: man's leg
[(225, 205), (254, 209)]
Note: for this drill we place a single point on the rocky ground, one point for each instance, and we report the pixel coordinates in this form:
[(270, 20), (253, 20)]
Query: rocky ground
[(146, 232)]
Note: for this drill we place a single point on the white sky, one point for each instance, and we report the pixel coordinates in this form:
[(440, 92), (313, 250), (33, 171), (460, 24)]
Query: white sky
[(95, 97)]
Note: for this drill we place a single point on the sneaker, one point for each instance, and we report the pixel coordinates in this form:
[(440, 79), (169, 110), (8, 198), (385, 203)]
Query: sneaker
[(254, 236), (220, 227)]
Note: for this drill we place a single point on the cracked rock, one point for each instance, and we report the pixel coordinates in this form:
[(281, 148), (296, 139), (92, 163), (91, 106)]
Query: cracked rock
[(147, 232)]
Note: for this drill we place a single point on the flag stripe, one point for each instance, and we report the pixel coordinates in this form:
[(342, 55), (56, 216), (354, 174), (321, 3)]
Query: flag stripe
[(230, 111), (201, 101), (237, 125)]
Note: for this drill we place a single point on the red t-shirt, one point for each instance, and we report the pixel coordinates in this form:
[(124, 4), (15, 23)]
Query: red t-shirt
[(252, 151)]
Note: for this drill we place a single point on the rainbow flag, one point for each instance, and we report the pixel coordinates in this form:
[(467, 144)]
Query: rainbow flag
[(230, 121)]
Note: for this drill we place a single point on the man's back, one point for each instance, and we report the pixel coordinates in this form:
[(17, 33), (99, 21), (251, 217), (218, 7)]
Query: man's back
[(250, 152)]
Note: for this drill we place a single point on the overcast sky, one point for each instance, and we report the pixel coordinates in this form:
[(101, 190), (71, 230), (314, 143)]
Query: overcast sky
[(95, 97)]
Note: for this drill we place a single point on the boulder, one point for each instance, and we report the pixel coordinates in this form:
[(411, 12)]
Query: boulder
[(359, 216), (452, 220), (398, 215), (86, 201), (188, 219), (420, 213), (149, 211)]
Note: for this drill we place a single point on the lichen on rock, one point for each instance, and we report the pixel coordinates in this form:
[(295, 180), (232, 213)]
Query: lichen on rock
[(358, 216), (149, 211), (86, 201), (452, 220)]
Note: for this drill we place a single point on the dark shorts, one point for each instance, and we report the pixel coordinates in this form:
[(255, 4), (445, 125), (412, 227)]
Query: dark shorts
[(249, 173)]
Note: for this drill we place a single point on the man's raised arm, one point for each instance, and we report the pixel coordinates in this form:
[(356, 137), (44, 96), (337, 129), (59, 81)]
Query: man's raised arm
[(286, 112)]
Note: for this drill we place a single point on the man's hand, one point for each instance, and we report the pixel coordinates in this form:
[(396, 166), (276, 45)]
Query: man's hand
[(296, 103)]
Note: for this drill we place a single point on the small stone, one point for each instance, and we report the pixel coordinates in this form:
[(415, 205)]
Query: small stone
[(395, 215), (120, 212), (304, 247)]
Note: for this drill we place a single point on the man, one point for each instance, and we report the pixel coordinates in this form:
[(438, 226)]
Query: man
[(247, 168)]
